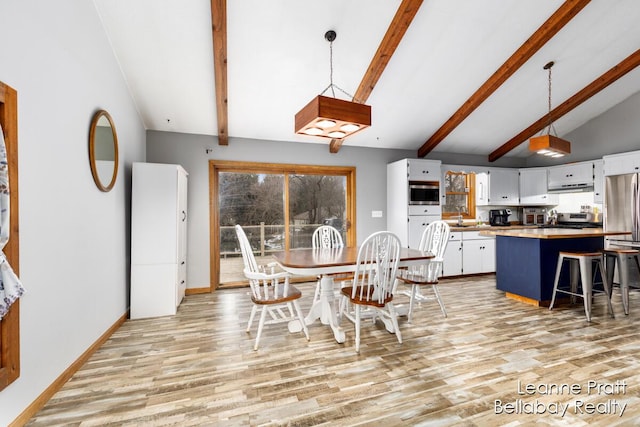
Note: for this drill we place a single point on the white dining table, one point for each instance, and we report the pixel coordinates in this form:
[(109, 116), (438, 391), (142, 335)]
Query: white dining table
[(326, 263)]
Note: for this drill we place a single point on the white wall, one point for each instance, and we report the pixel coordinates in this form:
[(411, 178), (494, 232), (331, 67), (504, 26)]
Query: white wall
[(190, 151), (74, 239)]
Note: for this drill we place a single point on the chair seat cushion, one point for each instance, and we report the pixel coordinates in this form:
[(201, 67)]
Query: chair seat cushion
[(272, 298), (367, 296)]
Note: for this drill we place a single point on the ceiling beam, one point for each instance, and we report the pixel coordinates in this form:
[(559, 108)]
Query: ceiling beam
[(398, 27), (628, 64), (219, 35), (547, 30)]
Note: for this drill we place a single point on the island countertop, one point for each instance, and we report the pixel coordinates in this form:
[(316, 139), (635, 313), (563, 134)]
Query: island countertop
[(552, 233)]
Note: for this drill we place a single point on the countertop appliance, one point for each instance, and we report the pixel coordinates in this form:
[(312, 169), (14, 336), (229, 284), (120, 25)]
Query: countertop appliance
[(499, 217), (622, 208), (534, 216)]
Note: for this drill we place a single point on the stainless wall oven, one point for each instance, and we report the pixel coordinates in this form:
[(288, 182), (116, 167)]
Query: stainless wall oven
[(424, 193)]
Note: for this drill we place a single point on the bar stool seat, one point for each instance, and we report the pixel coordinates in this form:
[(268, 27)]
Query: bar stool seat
[(622, 257), (581, 265)]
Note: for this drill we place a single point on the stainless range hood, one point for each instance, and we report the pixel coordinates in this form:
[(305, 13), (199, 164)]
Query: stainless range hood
[(572, 188)]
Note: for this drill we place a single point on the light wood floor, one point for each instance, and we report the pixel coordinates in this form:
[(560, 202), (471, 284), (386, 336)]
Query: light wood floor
[(198, 368)]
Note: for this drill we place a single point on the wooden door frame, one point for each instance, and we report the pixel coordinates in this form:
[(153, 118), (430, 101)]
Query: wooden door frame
[(10, 324), (217, 166)]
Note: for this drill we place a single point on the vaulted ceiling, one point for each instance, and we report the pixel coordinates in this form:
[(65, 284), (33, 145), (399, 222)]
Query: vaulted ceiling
[(463, 76)]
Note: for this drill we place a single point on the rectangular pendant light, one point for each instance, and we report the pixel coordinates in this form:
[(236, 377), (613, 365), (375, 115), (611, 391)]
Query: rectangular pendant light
[(550, 145), (332, 118)]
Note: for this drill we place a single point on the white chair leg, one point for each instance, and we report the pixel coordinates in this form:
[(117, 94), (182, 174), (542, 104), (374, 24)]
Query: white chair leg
[(437, 293), (394, 321), (412, 298), (263, 315), (301, 318), (251, 316), (357, 325)]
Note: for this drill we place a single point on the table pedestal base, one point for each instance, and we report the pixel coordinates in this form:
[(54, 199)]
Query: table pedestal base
[(323, 309)]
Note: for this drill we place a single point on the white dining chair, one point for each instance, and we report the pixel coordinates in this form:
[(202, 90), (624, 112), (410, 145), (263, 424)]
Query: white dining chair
[(325, 237), (434, 239), (373, 284), (270, 290)]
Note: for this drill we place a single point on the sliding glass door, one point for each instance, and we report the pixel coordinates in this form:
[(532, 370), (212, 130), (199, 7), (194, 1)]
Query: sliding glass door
[(278, 206)]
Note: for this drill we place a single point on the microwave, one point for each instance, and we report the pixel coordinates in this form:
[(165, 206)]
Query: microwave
[(424, 193)]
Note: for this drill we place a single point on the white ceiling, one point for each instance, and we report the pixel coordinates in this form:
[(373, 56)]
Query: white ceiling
[(278, 60)]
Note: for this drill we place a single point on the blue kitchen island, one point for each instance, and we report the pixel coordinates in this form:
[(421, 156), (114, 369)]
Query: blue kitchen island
[(526, 258)]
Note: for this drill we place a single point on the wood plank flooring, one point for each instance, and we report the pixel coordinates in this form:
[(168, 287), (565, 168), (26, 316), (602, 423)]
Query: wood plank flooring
[(198, 368)]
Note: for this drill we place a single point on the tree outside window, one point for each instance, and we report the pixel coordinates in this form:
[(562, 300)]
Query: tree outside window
[(460, 195)]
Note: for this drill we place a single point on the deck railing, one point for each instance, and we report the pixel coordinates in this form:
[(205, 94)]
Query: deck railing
[(265, 239)]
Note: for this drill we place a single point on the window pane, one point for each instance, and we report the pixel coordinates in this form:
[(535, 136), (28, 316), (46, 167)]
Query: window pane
[(315, 200), (256, 202), (454, 201), (458, 183)]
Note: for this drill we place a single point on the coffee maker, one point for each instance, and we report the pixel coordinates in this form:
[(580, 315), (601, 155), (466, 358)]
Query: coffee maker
[(499, 217)]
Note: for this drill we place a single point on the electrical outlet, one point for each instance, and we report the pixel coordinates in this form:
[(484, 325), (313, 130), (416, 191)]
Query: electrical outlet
[(376, 214)]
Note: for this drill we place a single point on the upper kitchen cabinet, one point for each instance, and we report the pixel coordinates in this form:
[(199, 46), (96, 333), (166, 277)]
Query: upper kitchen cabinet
[(423, 170), (571, 177), (623, 163), (497, 187), (533, 188)]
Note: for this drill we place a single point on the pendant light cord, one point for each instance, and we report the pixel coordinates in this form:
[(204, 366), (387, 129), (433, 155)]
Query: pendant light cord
[(550, 125), (331, 85)]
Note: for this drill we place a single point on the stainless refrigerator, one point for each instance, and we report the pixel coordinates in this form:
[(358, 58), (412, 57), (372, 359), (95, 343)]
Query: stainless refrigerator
[(622, 213), (622, 208)]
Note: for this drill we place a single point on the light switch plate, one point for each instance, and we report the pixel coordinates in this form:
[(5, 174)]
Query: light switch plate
[(376, 214)]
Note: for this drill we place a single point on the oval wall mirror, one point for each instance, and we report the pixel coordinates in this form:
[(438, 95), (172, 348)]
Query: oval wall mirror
[(103, 151)]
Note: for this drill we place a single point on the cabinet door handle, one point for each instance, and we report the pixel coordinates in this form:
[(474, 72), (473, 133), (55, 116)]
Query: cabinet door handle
[(182, 263), (184, 216), (182, 282)]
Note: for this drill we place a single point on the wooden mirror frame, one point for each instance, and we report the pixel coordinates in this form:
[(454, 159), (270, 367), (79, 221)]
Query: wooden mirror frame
[(92, 151)]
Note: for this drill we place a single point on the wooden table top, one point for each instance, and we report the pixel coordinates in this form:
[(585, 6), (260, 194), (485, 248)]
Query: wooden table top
[(553, 233), (329, 261)]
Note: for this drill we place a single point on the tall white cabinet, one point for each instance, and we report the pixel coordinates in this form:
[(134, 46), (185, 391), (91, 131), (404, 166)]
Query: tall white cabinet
[(409, 221), (158, 239)]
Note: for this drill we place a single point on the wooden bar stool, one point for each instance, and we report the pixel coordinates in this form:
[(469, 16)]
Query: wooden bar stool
[(581, 265), (623, 257)]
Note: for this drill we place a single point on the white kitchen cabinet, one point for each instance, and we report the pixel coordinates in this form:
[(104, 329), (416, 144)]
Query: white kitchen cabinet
[(405, 220), (623, 163), (469, 253), (571, 176), (598, 181), (497, 187), (158, 239), (452, 258), (478, 256), (417, 224), (533, 188), (423, 170)]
